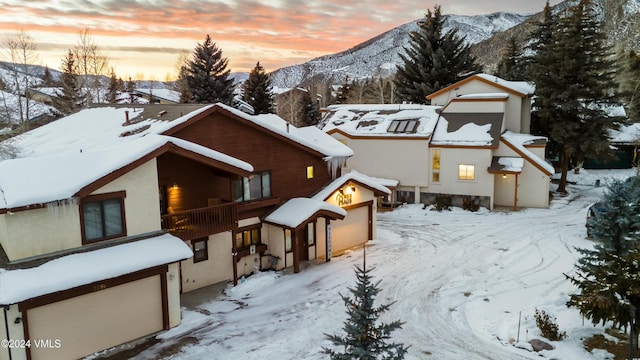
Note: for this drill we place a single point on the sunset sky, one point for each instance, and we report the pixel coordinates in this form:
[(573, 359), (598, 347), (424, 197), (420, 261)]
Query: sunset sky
[(143, 38)]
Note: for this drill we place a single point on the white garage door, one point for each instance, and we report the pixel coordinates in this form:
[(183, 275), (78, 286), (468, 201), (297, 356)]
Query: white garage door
[(97, 320), (351, 231)]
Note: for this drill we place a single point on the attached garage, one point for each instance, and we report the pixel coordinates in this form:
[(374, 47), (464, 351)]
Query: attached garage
[(355, 229), (95, 321)]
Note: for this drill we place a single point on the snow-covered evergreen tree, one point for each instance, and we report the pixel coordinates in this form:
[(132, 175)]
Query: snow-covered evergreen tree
[(69, 98), (257, 91), (433, 60), (574, 75), (365, 337), (608, 275), (630, 84), (512, 64), (208, 76)]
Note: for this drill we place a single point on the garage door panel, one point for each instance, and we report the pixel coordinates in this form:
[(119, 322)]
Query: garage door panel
[(352, 231), (98, 320)]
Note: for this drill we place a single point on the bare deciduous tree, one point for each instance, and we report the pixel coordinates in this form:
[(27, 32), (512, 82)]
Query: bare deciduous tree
[(92, 64), (19, 51)]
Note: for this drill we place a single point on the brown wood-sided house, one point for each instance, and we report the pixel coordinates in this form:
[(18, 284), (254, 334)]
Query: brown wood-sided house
[(109, 214)]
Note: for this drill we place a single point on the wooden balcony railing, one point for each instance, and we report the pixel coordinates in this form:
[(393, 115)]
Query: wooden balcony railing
[(197, 223)]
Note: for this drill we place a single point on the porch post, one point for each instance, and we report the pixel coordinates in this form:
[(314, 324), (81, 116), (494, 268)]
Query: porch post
[(296, 251), (515, 195), (327, 239)]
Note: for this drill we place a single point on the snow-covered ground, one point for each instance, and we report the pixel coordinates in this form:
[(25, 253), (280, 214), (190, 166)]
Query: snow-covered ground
[(461, 281)]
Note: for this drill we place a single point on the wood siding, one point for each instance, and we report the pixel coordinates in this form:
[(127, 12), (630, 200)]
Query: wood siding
[(244, 140)]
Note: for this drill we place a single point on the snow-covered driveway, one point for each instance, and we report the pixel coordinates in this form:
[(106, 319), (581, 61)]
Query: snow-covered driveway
[(460, 281)]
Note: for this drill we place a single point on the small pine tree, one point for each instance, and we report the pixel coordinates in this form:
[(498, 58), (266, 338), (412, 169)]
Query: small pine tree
[(69, 98), (208, 76), (433, 60), (47, 79), (608, 275), (114, 88), (257, 91), (365, 338)]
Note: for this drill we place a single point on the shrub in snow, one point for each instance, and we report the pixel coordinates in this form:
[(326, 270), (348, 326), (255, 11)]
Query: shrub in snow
[(548, 326), (443, 202)]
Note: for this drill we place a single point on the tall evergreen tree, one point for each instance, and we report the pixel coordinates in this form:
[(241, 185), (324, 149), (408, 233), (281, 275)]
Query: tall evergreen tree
[(344, 92), (257, 91), (630, 84), (311, 112), (608, 275), (47, 79), (512, 64), (69, 98), (575, 87), (365, 337), (208, 76), (433, 60)]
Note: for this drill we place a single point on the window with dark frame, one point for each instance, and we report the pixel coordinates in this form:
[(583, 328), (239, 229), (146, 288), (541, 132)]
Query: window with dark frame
[(200, 250), (102, 217), (246, 237), (311, 234), (403, 126), (258, 186)]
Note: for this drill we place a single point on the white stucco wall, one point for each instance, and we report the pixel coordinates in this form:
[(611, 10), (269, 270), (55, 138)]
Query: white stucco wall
[(218, 268), (57, 227), (402, 159), (449, 183), (533, 184), (142, 208), (173, 294), (517, 115)]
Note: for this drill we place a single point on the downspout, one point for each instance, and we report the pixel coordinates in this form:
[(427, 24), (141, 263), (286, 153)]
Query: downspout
[(6, 328), (515, 195)]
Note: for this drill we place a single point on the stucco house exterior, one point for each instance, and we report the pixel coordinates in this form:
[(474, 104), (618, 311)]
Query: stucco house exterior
[(471, 143), (107, 215)]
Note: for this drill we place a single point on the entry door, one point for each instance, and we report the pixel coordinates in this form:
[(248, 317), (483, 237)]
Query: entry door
[(303, 242)]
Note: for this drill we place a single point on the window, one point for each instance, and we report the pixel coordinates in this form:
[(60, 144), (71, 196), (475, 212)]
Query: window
[(466, 172), (200, 250), (311, 234), (246, 237), (435, 165), (310, 172), (258, 186), (403, 126), (288, 247), (102, 217)]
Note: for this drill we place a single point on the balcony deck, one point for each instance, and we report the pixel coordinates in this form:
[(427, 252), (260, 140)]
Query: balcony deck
[(202, 222)]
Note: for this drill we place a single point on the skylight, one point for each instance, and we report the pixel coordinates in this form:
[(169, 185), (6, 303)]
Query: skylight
[(403, 126)]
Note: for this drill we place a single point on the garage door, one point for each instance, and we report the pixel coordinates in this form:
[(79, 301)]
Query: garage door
[(351, 231), (98, 320)]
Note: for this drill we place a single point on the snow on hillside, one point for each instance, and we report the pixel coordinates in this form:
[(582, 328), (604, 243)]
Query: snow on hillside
[(379, 56), (461, 282)]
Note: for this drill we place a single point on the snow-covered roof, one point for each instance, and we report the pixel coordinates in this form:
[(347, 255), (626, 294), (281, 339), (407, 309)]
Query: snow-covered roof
[(511, 164), (483, 96), (376, 119), (521, 87), (373, 183), (309, 136), (44, 179), (164, 94), (469, 134), (627, 134), (85, 268), (519, 141), (294, 212)]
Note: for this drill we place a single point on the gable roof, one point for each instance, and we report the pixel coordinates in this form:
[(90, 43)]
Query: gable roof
[(373, 120), (366, 181), (39, 180), (88, 267), (468, 130), (518, 142), (299, 211), (519, 88)]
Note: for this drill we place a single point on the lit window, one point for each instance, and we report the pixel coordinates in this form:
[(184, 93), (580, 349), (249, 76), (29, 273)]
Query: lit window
[(435, 165), (310, 172), (288, 247), (466, 172), (200, 250), (103, 217), (248, 237)]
